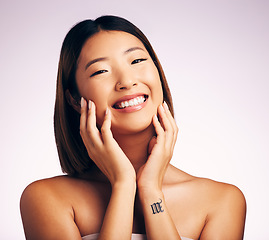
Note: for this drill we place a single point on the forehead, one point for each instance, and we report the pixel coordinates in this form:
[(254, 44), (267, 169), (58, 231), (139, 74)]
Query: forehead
[(105, 42)]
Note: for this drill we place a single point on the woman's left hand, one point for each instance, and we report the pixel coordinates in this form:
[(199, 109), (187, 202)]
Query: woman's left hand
[(150, 175)]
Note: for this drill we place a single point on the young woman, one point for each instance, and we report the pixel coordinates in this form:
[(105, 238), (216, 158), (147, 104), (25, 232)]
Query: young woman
[(115, 135)]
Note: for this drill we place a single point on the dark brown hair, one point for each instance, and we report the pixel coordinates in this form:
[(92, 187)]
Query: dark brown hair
[(73, 155)]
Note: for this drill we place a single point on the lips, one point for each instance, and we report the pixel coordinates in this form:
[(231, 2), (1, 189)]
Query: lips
[(130, 101)]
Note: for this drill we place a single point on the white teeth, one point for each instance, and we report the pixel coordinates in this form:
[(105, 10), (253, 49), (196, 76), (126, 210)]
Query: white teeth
[(132, 102)]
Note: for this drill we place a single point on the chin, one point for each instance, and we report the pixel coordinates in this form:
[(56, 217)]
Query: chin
[(132, 127)]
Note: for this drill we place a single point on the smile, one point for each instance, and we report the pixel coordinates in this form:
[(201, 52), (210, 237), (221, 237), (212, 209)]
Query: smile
[(130, 102)]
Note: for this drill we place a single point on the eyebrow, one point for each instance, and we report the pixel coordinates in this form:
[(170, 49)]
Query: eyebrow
[(133, 49), (105, 58), (94, 61)]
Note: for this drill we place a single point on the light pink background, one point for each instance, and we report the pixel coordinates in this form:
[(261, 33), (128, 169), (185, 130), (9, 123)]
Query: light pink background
[(216, 58)]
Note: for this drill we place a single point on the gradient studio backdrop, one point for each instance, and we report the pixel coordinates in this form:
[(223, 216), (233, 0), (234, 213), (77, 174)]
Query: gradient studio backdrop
[(216, 58)]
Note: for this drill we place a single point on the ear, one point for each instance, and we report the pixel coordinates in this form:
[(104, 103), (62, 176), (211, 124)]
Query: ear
[(72, 101)]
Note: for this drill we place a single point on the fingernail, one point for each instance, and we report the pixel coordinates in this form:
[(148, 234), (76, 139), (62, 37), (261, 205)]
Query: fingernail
[(90, 104), (165, 106), (107, 111), (161, 106), (82, 102)]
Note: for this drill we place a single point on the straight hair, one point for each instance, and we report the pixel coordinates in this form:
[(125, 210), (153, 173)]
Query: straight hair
[(73, 155)]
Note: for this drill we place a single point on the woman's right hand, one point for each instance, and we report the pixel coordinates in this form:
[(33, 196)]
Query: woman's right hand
[(102, 147)]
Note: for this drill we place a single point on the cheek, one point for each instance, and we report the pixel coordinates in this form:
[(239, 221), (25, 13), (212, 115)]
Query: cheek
[(98, 95), (95, 93), (157, 91), (99, 99)]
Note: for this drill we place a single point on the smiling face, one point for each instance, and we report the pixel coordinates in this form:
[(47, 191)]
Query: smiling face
[(115, 71)]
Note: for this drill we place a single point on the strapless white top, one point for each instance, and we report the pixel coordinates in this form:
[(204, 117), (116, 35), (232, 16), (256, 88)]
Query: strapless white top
[(135, 236)]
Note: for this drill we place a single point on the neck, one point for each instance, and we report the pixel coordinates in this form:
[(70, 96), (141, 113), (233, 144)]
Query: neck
[(135, 146)]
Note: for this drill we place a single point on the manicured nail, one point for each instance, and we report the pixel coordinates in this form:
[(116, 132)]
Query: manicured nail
[(107, 111), (82, 102), (90, 104), (161, 106), (166, 106)]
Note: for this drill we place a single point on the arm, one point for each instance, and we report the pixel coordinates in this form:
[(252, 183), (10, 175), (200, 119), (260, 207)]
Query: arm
[(110, 159), (118, 220), (227, 218), (158, 222)]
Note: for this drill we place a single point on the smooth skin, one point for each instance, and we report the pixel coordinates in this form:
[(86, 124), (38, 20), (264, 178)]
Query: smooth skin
[(132, 151)]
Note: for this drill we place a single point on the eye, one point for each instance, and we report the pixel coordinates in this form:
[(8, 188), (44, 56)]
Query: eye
[(98, 72), (139, 60)]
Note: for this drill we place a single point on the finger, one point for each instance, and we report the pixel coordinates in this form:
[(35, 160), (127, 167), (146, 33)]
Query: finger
[(92, 131), (169, 133), (83, 116), (170, 117), (172, 122), (163, 117), (83, 126), (158, 129), (106, 127)]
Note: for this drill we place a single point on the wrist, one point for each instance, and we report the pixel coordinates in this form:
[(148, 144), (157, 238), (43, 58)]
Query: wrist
[(123, 178), (152, 202), (149, 194), (149, 187), (126, 186)]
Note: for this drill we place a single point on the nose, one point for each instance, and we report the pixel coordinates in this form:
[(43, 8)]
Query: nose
[(125, 81)]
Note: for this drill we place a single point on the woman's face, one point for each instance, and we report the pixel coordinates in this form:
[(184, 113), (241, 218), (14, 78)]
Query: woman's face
[(115, 71)]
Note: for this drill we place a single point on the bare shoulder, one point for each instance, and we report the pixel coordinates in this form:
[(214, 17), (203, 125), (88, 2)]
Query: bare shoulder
[(41, 191), (50, 189), (47, 208), (59, 187), (205, 188), (217, 208), (44, 184), (64, 191), (226, 210), (217, 191)]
